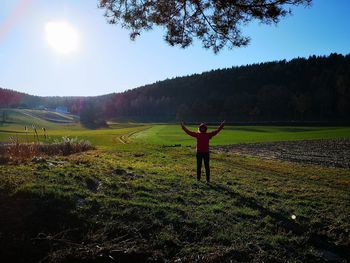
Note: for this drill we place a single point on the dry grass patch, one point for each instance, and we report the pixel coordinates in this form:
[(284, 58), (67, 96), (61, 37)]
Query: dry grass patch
[(17, 151)]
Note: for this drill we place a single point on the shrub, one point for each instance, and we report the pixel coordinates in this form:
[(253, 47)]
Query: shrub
[(14, 150), (66, 146)]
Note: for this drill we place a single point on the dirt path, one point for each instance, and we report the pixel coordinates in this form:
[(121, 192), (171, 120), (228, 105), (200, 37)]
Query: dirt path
[(331, 153), (125, 138)]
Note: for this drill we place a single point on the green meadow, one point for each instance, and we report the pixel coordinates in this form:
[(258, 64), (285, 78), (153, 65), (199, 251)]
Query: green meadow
[(59, 125), (135, 198), (173, 134)]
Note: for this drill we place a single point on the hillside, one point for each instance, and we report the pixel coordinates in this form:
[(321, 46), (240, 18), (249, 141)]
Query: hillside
[(35, 117), (14, 121), (313, 89)]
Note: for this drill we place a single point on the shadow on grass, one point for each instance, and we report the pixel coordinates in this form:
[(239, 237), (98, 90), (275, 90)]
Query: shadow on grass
[(36, 227), (282, 221), (48, 228), (27, 220)]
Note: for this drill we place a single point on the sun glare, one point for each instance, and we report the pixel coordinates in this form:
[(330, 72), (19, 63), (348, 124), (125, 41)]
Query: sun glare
[(62, 37)]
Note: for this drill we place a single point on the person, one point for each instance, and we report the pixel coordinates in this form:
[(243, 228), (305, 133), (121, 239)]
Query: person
[(203, 138)]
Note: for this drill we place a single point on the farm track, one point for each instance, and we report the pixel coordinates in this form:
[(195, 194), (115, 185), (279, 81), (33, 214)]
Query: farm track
[(330, 153), (125, 138)]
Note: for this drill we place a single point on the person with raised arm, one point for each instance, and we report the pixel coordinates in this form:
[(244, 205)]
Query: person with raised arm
[(203, 138)]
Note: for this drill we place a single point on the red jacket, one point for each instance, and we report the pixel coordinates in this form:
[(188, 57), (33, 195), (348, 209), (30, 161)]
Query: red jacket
[(203, 138)]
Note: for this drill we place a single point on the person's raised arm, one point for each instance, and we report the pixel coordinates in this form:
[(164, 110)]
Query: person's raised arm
[(213, 133), (191, 133)]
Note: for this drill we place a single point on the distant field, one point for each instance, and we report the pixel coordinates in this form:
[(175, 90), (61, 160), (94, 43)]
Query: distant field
[(16, 119), (59, 125), (173, 134), (63, 125)]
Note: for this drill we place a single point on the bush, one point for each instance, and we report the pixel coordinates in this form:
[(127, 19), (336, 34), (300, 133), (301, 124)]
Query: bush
[(66, 147), (14, 150)]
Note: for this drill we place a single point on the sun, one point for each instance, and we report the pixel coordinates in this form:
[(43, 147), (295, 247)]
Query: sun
[(62, 37)]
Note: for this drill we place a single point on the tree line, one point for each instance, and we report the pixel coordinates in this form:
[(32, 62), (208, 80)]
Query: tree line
[(313, 89), (303, 89)]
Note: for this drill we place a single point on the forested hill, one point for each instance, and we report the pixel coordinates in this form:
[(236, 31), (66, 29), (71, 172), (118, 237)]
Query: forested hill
[(313, 89)]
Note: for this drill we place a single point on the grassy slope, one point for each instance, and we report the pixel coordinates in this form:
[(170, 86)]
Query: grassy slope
[(104, 138), (17, 119), (143, 201)]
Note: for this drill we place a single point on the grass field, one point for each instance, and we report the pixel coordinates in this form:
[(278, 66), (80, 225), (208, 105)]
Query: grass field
[(173, 134), (135, 200), (159, 134), (68, 127)]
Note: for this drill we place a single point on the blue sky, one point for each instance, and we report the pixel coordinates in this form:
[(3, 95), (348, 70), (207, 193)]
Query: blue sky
[(107, 61)]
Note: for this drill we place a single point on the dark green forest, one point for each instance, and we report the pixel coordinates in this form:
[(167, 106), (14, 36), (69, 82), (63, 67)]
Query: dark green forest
[(303, 89)]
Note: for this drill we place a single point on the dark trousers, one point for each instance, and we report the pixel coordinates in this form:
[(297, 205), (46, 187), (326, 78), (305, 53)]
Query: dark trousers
[(205, 157)]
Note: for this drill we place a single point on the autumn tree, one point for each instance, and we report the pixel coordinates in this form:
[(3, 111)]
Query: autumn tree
[(91, 115), (216, 23)]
